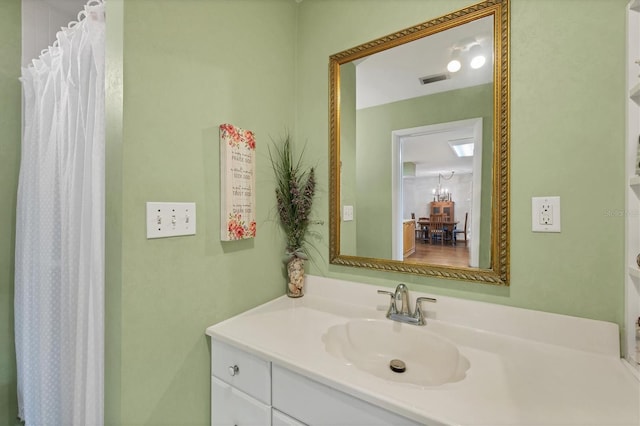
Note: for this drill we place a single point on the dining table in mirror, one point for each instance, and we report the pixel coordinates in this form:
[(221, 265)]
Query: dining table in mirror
[(419, 148)]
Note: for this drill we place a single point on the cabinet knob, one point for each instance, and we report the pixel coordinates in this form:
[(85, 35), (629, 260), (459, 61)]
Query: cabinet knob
[(234, 370)]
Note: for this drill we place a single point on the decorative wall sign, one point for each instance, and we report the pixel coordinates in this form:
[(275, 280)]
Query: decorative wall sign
[(237, 183)]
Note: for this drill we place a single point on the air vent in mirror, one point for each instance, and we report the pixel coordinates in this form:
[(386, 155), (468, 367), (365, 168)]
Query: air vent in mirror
[(433, 78)]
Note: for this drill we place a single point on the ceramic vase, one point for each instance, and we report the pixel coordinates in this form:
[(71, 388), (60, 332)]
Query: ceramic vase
[(295, 273)]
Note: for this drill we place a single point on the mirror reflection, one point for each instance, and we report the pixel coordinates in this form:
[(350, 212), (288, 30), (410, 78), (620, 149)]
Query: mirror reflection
[(418, 130), (439, 195)]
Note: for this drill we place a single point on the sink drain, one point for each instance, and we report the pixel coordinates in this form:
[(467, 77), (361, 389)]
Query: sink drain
[(397, 366)]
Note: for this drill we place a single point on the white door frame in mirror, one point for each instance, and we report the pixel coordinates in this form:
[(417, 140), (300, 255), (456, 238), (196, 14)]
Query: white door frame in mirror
[(397, 201)]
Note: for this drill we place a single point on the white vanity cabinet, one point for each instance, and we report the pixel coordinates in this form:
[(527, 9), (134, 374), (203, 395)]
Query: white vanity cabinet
[(247, 390), (536, 368)]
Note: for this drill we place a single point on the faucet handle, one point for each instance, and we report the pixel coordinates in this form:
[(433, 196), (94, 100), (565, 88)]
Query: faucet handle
[(418, 312), (392, 305)]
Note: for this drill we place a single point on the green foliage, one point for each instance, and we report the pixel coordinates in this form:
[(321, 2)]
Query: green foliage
[(295, 188)]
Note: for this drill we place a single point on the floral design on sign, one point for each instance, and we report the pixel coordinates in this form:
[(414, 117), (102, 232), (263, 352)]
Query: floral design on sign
[(237, 229), (235, 136)]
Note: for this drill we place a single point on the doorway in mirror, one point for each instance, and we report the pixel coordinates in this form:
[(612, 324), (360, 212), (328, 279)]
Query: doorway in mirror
[(433, 175)]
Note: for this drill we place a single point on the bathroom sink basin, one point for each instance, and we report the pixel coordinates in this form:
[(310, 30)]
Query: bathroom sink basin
[(371, 345)]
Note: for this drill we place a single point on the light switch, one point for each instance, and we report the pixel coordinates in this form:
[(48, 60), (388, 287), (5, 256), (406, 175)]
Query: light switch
[(170, 219), (347, 213)]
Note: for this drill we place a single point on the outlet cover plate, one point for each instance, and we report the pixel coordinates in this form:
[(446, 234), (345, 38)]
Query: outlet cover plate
[(545, 214), (170, 219)]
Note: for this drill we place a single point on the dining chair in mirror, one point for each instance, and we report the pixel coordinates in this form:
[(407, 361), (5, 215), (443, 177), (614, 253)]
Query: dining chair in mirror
[(462, 231), (437, 229)]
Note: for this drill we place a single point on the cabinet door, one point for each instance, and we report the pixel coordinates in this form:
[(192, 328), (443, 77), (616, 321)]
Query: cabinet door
[(409, 238), (231, 407), (317, 404), (278, 418)]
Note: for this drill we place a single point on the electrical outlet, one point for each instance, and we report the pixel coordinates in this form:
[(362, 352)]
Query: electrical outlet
[(545, 214), (170, 219)]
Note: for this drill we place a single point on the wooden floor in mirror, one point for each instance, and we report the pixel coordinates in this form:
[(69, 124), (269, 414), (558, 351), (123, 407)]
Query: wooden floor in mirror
[(447, 254)]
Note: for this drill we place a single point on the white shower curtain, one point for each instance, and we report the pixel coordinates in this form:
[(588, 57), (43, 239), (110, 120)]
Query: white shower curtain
[(59, 274)]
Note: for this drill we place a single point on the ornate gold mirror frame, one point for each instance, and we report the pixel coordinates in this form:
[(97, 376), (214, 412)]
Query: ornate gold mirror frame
[(498, 271)]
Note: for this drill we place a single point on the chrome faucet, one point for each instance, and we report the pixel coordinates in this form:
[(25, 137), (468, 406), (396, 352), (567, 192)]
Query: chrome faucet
[(404, 314), (402, 294)]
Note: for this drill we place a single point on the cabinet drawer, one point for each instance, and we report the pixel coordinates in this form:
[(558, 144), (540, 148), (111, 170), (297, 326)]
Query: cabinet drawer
[(242, 370), (280, 419), (316, 404), (231, 407)]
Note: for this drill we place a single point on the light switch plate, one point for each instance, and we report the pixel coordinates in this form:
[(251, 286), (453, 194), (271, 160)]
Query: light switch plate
[(170, 219), (545, 214), (347, 213)]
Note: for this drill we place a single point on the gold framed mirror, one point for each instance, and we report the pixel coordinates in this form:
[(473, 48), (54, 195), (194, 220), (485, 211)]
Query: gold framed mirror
[(401, 112)]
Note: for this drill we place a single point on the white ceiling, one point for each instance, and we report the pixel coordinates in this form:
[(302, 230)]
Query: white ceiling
[(394, 75), (432, 154)]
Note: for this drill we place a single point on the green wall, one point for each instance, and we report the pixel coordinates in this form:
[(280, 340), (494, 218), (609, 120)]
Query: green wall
[(178, 69), (567, 139), (10, 101), (189, 66), (373, 160)]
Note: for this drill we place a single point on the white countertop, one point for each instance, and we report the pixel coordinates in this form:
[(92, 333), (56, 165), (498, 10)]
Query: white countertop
[(527, 367)]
